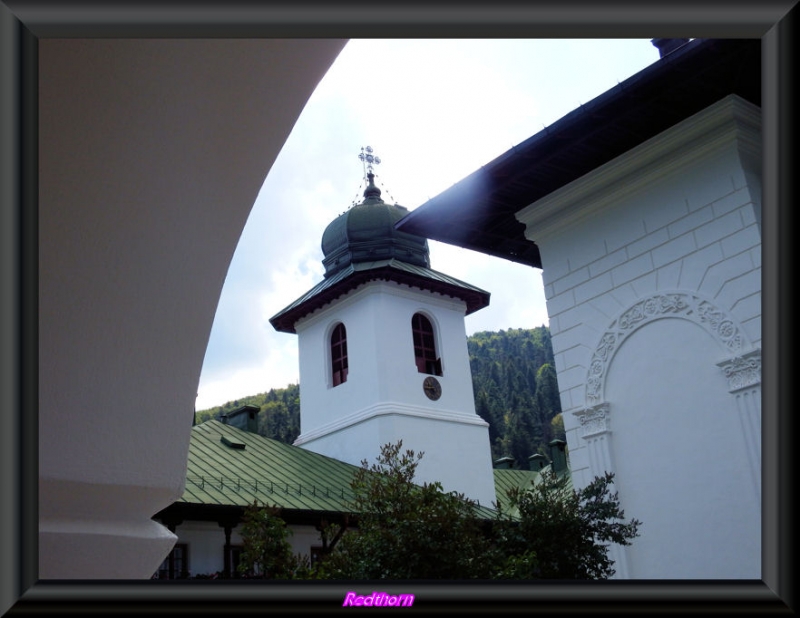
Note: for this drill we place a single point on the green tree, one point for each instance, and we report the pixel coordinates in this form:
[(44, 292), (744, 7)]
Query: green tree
[(557, 431), (561, 533), (266, 552), (547, 395), (507, 379), (405, 530)]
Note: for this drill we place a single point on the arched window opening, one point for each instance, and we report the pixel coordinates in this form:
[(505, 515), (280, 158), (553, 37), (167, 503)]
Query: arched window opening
[(339, 354), (425, 346)]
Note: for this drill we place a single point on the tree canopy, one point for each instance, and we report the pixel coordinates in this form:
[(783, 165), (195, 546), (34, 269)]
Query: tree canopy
[(266, 552), (407, 531), (560, 533)]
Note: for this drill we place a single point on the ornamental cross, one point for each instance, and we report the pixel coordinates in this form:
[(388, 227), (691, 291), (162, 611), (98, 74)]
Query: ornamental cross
[(368, 159)]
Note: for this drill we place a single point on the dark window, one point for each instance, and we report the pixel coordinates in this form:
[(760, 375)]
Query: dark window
[(425, 346), (176, 565), (339, 354)]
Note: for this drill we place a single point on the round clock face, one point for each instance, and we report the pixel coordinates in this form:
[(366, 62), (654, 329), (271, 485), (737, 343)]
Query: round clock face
[(432, 388)]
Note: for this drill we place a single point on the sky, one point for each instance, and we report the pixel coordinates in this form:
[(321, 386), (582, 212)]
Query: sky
[(433, 111)]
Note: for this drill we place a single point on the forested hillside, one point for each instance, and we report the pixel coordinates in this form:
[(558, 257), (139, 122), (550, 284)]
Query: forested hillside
[(516, 391), (514, 381), (279, 415)]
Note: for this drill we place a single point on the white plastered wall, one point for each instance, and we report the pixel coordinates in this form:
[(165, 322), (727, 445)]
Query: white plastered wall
[(382, 400), (151, 155), (652, 275), (206, 544)]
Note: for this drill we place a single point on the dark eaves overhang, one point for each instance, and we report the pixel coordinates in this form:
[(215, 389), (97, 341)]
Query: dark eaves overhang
[(478, 213), (230, 515), (357, 274), (227, 514)]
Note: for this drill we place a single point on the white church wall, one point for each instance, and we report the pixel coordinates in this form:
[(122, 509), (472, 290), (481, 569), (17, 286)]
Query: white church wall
[(380, 351), (205, 542), (456, 448), (671, 228), (686, 445), (303, 538), (383, 399)]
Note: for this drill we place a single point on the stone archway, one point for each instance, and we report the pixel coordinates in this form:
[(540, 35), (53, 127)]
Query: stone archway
[(661, 386)]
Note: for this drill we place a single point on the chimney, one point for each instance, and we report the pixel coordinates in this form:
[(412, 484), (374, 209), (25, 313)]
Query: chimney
[(537, 462), (666, 46), (504, 463), (558, 455), (245, 418)]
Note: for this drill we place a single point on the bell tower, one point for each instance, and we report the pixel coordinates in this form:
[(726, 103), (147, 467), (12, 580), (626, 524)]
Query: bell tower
[(383, 351)]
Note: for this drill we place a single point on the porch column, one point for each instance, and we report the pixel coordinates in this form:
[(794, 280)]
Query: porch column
[(226, 569)]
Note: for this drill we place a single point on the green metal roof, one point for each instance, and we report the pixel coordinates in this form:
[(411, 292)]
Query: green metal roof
[(265, 470), (231, 467), (367, 232), (506, 479), (392, 269)]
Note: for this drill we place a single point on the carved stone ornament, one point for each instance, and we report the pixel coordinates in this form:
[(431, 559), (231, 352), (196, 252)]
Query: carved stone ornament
[(595, 420), (677, 304), (742, 371)]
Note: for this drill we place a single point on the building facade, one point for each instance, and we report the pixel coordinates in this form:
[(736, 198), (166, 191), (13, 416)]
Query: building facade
[(652, 277), (643, 210)]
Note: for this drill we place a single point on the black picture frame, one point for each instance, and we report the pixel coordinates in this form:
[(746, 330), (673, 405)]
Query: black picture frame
[(22, 24)]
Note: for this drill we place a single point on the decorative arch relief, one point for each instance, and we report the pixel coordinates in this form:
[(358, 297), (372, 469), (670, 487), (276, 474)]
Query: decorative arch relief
[(718, 323)]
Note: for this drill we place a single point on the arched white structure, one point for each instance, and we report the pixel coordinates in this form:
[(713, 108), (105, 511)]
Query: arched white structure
[(652, 272), (152, 152), (660, 401)]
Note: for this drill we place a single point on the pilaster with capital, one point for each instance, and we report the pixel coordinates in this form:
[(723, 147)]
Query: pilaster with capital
[(743, 373), (596, 430)]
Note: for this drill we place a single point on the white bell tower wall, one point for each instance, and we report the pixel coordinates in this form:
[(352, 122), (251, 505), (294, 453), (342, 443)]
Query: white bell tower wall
[(382, 399)]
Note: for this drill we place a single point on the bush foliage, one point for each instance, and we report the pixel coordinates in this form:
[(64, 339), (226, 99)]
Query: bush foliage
[(407, 531)]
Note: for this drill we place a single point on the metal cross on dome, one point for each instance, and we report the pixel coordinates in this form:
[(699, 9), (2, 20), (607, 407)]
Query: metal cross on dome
[(368, 159)]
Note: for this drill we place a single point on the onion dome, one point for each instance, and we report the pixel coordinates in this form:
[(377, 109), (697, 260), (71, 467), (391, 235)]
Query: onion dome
[(362, 246), (366, 233)]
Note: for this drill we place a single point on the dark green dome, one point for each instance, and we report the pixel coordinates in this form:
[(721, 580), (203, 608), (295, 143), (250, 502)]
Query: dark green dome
[(366, 233)]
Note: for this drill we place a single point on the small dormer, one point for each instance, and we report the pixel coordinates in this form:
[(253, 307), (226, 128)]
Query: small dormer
[(537, 462), (245, 417), (504, 463)]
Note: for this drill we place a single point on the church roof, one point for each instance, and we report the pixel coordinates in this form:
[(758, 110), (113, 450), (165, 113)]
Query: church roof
[(363, 244), (358, 273), (478, 212), (366, 232), (230, 468), (234, 467)]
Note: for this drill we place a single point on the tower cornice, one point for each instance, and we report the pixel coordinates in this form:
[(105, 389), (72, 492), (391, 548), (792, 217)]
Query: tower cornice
[(356, 275)]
